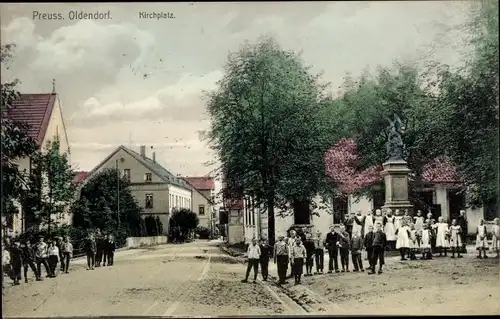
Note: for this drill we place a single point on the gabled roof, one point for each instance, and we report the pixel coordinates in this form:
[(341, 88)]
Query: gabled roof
[(197, 190), (35, 110), (201, 183), (79, 177), (154, 167), (441, 170)]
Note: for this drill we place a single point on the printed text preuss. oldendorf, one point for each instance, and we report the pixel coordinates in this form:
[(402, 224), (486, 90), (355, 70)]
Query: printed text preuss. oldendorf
[(156, 15)]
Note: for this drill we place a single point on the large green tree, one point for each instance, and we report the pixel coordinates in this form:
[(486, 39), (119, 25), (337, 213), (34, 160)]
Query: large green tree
[(265, 127), (106, 203), (50, 190), (15, 144), (470, 98)]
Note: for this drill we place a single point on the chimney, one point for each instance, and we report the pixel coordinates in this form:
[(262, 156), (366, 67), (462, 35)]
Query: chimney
[(143, 151), (154, 157)]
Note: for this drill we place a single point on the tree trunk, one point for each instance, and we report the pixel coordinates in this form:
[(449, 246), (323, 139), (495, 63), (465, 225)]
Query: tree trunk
[(270, 220)]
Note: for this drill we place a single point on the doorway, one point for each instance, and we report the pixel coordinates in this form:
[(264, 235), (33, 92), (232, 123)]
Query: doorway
[(456, 202)]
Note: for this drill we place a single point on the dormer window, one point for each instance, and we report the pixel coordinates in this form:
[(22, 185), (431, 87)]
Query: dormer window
[(148, 177)]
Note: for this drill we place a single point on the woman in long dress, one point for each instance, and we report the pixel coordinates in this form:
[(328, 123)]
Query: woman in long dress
[(403, 240), (357, 225), (495, 238), (389, 231), (368, 221), (481, 241), (442, 233)]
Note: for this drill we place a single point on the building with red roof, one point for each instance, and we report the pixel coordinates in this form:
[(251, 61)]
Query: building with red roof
[(43, 114)]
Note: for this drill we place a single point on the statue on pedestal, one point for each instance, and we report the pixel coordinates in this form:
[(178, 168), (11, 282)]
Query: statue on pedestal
[(395, 146)]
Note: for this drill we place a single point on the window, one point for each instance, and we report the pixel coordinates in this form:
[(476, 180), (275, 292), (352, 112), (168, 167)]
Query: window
[(201, 210), (176, 201), (149, 201), (148, 177), (126, 174)]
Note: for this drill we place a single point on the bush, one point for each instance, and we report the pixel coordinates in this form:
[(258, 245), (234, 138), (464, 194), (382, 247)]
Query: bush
[(203, 232)]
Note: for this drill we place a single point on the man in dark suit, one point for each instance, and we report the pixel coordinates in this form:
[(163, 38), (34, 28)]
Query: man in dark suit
[(332, 238), (379, 243), (462, 222)]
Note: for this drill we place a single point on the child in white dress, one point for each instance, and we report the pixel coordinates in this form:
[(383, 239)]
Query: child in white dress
[(390, 231), (442, 233), (455, 239), (495, 239), (419, 221), (481, 240), (413, 242), (425, 242), (403, 240), (397, 219)]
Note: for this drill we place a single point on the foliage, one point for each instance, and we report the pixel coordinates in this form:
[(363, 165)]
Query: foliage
[(184, 219), (15, 144), (470, 97), (154, 226), (266, 127), (203, 232), (50, 188), (97, 206)]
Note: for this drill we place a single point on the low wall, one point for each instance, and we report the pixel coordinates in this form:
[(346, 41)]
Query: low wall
[(135, 242)]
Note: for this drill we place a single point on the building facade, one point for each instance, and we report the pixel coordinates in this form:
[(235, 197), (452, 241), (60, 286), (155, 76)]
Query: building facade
[(203, 199), (44, 116)]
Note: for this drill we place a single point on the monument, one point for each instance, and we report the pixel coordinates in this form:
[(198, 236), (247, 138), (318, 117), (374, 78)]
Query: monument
[(396, 169)]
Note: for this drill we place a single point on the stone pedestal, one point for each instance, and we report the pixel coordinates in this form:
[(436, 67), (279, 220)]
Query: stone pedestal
[(396, 185)]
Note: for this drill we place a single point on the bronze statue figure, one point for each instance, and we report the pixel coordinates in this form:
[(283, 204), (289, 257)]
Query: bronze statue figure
[(395, 145)]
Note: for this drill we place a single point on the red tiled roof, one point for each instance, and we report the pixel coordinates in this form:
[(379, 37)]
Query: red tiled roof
[(201, 183), (79, 177), (441, 170), (35, 110)]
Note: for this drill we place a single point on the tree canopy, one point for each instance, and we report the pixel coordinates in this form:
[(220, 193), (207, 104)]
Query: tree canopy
[(185, 219), (266, 129), (97, 206)]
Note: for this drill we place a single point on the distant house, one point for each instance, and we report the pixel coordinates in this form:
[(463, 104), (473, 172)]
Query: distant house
[(155, 189), (79, 177), (43, 114), (203, 199)]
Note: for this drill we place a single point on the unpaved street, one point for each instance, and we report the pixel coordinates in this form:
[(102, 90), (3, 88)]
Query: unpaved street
[(198, 279)]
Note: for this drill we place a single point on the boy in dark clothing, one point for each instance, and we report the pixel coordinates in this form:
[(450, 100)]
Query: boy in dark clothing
[(368, 241), (59, 243), (110, 248), (29, 260), (356, 247), (331, 245), (265, 254), (379, 245), (343, 244), (309, 245), (99, 253), (90, 250), (16, 262)]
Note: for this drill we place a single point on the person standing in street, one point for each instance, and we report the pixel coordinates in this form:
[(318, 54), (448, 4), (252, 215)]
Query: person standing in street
[(319, 252), (291, 242), (462, 222), (356, 248), (53, 258), (265, 252), (309, 246), (109, 249), (253, 255), (67, 253), (90, 250), (59, 243), (16, 262), (281, 255), (41, 257), (5, 261), (29, 260), (333, 251), (299, 255), (343, 244), (379, 244), (368, 242), (99, 240)]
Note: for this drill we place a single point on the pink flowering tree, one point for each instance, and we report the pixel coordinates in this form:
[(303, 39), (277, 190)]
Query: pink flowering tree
[(341, 166)]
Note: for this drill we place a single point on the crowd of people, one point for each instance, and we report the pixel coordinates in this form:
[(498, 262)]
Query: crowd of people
[(375, 233), (18, 255)]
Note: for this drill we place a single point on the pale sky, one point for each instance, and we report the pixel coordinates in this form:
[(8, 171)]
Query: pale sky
[(100, 65)]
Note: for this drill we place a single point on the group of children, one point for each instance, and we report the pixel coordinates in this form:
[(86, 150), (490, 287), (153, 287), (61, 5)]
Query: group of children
[(23, 254), (375, 234)]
